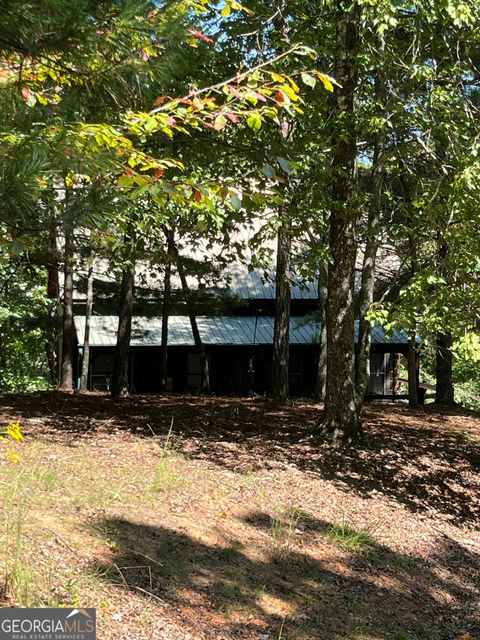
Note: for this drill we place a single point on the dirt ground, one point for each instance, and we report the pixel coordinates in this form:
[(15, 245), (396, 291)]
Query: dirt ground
[(187, 518)]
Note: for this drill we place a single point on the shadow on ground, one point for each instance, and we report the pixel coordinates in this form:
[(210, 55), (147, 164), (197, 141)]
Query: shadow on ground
[(428, 460), (231, 592)]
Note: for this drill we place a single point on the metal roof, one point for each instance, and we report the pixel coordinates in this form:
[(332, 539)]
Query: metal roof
[(380, 337), (236, 280), (221, 330), (260, 285)]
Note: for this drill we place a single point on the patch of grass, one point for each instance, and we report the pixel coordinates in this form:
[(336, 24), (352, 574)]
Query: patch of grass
[(426, 633), (27, 488), (375, 559), (465, 436), (18, 578), (168, 476), (343, 535), (48, 480), (284, 525), (405, 564), (228, 596), (231, 554), (246, 481), (54, 590), (354, 603), (109, 535)]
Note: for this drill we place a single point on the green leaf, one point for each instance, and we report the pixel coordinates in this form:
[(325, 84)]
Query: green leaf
[(257, 198), (255, 121), (285, 164), (236, 202), (16, 248), (41, 99), (305, 51), (125, 180), (327, 81), (220, 122), (308, 80), (289, 91), (268, 170)]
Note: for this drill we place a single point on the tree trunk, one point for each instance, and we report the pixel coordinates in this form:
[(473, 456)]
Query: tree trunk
[(197, 338), (412, 372), (68, 333), (52, 350), (52, 361), (167, 295), (340, 420), (444, 392), (397, 364), (120, 386), (321, 381), (371, 250), (53, 285), (281, 332), (2, 360), (86, 337)]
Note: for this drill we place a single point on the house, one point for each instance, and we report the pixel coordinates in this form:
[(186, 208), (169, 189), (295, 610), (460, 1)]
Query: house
[(238, 345)]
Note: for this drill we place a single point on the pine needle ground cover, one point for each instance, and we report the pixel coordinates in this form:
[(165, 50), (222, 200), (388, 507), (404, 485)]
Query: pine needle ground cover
[(184, 518)]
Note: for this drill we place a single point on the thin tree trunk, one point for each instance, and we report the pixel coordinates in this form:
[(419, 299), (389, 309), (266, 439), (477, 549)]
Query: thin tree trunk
[(2, 360), (53, 285), (397, 363), (340, 420), (120, 386), (68, 334), (52, 344), (371, 249), (86, 337), (167, 295), (321, 382), (412, 372), (444, 391), (197, 338), (52, 347), (412, 355), (52, 362), (281, 332)]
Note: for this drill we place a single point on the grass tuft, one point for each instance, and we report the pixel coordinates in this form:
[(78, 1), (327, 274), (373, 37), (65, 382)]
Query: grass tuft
[(343, 535), (168, 477), (17, 576), (284, 525)]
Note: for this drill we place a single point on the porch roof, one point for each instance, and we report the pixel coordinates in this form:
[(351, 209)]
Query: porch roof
[(219, 330)]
